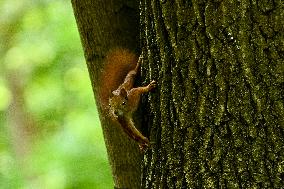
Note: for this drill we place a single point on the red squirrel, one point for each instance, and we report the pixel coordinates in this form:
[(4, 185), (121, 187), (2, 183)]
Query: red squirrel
[(118, 96)]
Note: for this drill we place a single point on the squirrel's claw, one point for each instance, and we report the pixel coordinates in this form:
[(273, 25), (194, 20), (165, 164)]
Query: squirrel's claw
[(143, 147), (152, 85)]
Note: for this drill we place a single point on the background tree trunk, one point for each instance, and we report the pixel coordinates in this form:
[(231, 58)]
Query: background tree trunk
[(218, 116), (105, 25), (216, 119)]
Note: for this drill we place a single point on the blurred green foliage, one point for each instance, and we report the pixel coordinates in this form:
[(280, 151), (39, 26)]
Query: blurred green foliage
[(50, 135)]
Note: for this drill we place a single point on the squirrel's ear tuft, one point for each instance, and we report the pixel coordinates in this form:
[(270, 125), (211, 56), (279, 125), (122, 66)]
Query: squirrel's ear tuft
[(123, 93)]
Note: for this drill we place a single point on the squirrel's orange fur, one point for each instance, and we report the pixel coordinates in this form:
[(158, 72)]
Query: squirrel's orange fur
[(118, 97), (118, 63)]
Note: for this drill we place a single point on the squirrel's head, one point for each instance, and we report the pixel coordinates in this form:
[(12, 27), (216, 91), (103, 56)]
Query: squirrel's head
[(118, 102)]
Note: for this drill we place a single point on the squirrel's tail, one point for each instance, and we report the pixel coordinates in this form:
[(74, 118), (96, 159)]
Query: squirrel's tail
[(117, 64)]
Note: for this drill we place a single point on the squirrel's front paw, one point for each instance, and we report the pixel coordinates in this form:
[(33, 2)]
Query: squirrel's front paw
[(152, 85)]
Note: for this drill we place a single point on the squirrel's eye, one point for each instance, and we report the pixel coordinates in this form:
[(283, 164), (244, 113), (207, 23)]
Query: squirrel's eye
[(123, 103)]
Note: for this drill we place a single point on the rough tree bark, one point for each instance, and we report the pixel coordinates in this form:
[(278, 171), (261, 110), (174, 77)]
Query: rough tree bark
[(217, 117)]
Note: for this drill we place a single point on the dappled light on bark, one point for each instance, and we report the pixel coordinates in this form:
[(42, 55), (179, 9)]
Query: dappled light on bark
[(217, 116)]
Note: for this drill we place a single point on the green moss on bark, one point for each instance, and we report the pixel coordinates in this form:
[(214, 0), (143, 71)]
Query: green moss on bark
[(218, 111)]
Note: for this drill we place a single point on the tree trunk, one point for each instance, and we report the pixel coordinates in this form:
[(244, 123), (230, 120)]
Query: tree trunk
[(105, 25), (216, 119), (218, 113)]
